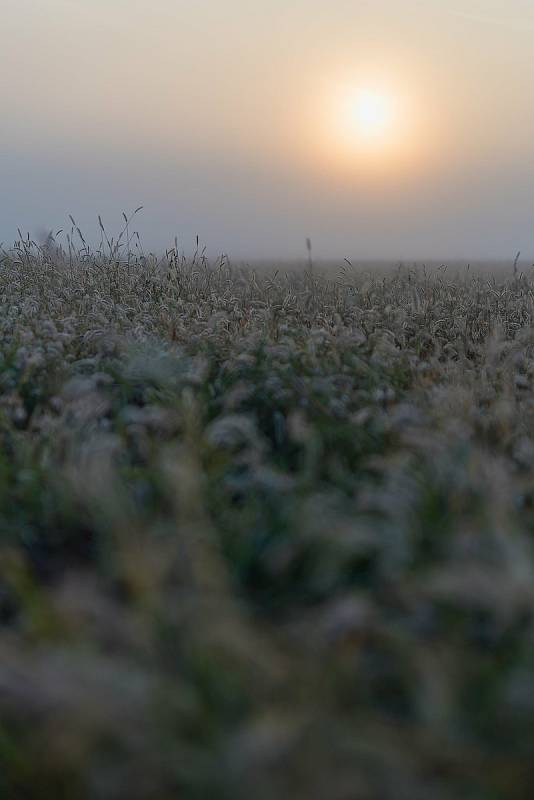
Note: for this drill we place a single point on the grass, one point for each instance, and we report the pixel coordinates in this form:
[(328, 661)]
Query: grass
[(263, 535)]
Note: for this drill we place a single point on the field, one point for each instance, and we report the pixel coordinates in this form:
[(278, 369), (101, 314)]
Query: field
[(262, 534)]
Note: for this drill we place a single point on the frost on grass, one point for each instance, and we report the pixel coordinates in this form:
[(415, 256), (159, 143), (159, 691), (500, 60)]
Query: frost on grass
[(264, 536)]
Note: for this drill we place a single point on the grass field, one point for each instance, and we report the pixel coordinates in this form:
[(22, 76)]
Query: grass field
[(264, 535)]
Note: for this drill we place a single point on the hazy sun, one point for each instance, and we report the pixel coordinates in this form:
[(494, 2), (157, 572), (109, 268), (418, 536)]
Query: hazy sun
[(371, 127), (370, 114), (369, 118), (374, 127)]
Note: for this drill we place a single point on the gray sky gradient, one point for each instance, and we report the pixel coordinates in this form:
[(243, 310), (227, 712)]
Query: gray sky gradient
[(219, 118)]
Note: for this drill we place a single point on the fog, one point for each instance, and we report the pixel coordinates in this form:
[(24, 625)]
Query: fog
[(219, 119)]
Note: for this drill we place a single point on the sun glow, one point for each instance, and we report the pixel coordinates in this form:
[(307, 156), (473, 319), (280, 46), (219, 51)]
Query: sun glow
[(375, 127), (370, 120), (370, 114)]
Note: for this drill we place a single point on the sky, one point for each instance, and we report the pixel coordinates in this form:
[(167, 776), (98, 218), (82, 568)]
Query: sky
[(381, 129)]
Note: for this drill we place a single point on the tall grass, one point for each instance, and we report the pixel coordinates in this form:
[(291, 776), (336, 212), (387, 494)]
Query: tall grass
[(263, 535)]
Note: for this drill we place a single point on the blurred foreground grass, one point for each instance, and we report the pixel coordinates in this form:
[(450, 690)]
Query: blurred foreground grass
[(264, 536)]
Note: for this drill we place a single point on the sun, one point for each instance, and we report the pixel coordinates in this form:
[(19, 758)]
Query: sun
[(370, 113), (372, 125), (369, 116)]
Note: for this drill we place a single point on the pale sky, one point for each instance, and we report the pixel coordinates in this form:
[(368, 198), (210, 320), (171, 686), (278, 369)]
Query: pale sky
[(379, 128)]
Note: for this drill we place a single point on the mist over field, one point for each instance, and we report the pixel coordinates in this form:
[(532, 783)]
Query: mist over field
[(266, 400)]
